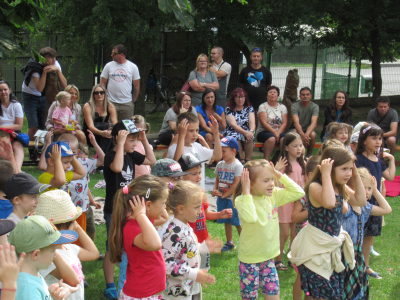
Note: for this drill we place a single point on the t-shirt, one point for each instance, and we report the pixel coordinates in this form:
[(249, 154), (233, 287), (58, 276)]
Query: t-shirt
[(226, 174), (14, 110), (224, 81), (61, 115), (390, 117), (70, 255), (350, 222), (115, 181), (6, 208), (31, 287), (304, 113), (170, 115), (120, 77), (274, 115), (142, 169), (255, 83), (375, 168), (79, 188), (145, 276), (209, 78), (13, 217), (200, 226), (219, 110), (31, 88), (47, 177)]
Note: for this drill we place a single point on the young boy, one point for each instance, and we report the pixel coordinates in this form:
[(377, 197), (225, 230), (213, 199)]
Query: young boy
[(119, 167), (228, 173), (168, 170), (38, 238), (6, 171)]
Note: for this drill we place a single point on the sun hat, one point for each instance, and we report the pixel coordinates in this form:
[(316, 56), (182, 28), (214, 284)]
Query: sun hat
[(354, 137), (35, 232), (23, 183), (64, 148), (188, 161), (57, 207), (230, 141), (168, 168), (6, 226)]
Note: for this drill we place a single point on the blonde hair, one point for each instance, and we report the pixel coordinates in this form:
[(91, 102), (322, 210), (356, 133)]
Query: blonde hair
[(83, 148), (334, 127), (330, 143), (92, 102), (72, 86), (62, 96), (365, 175), (198, 59), (69, 137), (183, 193), (140, 120)]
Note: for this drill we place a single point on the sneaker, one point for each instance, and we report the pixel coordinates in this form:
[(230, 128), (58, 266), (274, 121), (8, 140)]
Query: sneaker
[(85, 284), (110, 293), (373, 252), (228, 247)]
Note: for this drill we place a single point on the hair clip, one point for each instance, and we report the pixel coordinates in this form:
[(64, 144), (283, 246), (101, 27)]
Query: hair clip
[(148, 194), (366, 129), (125, 190), (170, 185)]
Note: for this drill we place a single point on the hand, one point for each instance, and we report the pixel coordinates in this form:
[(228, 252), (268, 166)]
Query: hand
[(48, 136), (306, 139), (182, 110), (326, 166), (9, 267), (278, 174), (281, 163), (387, 155), (138, 206), (55, 154), (213, 126), (201, 139), (51, 68), (31, 214), (221, 135), (107, 133), (97, 205), (121, 137), (142, 136), (61, 290), (13, 134), (203, 277), (277, 136), (249, 136), (63, 125), (245, 181), (214, 246), (214, 193), (92, 139), (217, 117), (6, 151), (74, 226), (182, 127), (374, 185), (219, 193), (226, 213)]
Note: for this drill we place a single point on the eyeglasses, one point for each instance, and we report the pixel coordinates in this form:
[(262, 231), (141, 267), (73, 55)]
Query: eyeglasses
[(99, 93), (113, 53), (240, 97)]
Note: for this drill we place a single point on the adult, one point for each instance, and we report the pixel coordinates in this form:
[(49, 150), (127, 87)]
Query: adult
[(33, 86), (99, 114), (202, 78), (223, 71), (207, 109), (305, 118), (272, 121), (387, 119), (241, 122), (168, 127), (76, 110), (338, 111), (118, 76), (11, 117), (255, 79)]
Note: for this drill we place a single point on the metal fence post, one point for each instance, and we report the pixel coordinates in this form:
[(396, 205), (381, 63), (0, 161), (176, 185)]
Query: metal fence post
[(349, 77), (358, 63), (269, 60), (314, 71)]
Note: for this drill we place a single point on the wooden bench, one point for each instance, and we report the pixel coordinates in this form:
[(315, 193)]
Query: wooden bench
[(257, 145)]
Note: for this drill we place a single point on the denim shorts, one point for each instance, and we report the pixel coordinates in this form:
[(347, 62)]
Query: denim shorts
[(107, 218), (224, 204), (35, 110)]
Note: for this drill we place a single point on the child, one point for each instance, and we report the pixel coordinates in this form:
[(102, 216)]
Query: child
[(356, 284), (62, 115), (179, 244), (39, 239), (119, 167), (6, 150), (354, 141), (228, 173), (257, 201), (168, 170), (318, 247), (56, 206), (328, 143), (141, 124), (368, 147), (341, 132), (292, 164), (6, 172)]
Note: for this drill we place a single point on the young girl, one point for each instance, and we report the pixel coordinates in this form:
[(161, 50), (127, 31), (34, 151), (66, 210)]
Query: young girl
[(180, 247), (62, 115), (141, 124), (356, 284), (136, 207), (257, 201), (341, 132), (316, 250), (292, 164), (368, 147)]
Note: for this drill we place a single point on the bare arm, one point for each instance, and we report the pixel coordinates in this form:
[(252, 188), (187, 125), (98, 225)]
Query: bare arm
[(383, 207), (59, 175), (99, 151), (148, 150), (40, 82), (296, 123), (194, 85), (298, 215), (313, 125), (64, 271), (172, 124), (390, 172), (217, 154), (103, 81), (87, 114), (88, 250), (356, 197), (180, 147), (17, 124), (136, 90), (252, 121), (220, 74), (323, 195), (113, 114), (230, 119), (118, 162), (222, 123), (282, 128), (79, 170), (203, 123), (393, 130), (62, 79)]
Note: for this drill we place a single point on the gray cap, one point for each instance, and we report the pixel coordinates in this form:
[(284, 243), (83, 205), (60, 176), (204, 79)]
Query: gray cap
[(188, 161), (168, 168)]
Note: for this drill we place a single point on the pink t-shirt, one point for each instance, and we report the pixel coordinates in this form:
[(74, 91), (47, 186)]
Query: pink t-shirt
[(61, 115), (142, 169)]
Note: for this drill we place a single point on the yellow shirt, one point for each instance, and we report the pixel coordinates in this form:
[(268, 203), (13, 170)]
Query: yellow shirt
[(46, 177)]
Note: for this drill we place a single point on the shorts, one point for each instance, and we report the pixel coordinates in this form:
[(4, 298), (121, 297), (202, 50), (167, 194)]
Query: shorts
[(263, 136), (122, 296), (124, 110), (81, 220), (224, 204), (107, 218), (253, 276), (385, 140), (90, 225), (35, 110)]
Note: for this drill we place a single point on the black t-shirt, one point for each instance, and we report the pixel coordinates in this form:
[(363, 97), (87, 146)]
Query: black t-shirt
[(255, 83), (115, 181)]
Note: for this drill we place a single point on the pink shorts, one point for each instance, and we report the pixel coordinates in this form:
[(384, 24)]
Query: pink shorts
[(122, 296)]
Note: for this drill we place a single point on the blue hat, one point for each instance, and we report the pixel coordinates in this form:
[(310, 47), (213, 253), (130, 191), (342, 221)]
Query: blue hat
[(230, 141), (64, 147)]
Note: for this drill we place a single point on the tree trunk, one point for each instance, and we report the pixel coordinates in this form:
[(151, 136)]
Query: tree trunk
[(1, 70), (376, 67), (144, 65)]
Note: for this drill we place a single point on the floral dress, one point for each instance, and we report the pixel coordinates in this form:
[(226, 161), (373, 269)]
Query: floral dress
[(242, 120), (303, 223)]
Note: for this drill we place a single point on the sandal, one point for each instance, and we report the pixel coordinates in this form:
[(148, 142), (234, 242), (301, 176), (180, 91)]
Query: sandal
[(280, 266), (375, 275), (242, 161)]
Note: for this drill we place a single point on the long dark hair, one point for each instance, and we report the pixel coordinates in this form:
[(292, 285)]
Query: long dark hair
[(11, 96), (236, 92), (345, 109), (176, 107), (290, 137), (203, 103), (366, 131)]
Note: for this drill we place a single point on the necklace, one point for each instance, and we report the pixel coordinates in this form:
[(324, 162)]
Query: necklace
[(270, 208)]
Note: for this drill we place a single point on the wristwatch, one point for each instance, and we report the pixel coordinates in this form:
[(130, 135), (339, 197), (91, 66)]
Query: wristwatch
[(204, 84), (252, 131)]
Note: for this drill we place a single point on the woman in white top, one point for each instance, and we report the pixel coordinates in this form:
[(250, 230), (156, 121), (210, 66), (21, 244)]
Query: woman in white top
[(11, 117)]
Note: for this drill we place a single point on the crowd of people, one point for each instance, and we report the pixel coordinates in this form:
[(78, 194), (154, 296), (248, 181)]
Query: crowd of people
[(329, 205)]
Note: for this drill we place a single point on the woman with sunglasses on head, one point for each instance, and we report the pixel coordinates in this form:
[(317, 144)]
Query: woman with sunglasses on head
[(99, 114)]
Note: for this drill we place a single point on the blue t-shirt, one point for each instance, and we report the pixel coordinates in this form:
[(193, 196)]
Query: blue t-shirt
[(375, 168), (6, 208), (32, 287), (350, 222), (219, 110)]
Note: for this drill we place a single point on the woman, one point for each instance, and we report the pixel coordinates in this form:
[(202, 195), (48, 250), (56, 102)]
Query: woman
[(338, 111), (202, 78), (11, 117), (207, 109), (241, 122), (76, 110), (272, 120), (98, 116), (168, 128)]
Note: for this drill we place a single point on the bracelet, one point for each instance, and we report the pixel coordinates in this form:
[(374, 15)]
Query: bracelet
[(10, 290)]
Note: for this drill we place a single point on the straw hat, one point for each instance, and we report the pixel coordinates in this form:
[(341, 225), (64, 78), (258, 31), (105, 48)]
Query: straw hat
[(57, 207)]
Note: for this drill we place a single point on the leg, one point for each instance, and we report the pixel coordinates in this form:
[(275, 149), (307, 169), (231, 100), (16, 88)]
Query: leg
[(248, 288), (283, 236), (240, 151), (210, 140), (80, 136), (269, 147), (239, 229), (311, 145), (228, 232), (110, 291), (391, 144), (269, 280), (248, 150), (367, 243), (108, 268), (126, 111), (297, 292), (18, 153), (293, 234)]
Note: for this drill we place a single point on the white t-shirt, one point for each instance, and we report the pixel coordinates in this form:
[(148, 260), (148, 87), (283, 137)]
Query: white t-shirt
[(227, 68), (226, 174), (274, 116), (31, 88), (120, 77), (14, 110), (71, 258)]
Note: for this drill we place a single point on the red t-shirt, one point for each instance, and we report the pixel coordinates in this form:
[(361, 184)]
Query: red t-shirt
[(200, 226), (145, 274)]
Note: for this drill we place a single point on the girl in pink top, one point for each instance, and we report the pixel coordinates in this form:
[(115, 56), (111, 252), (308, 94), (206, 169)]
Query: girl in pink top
[(140, 123), (292, 164), (62, 114)]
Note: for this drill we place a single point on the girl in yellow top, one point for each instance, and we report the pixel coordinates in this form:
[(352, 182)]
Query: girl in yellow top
[(257, 203)]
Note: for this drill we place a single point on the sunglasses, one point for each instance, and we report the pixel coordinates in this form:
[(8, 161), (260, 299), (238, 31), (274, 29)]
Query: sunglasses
[(99, 93), (256, 49), (114, 53)]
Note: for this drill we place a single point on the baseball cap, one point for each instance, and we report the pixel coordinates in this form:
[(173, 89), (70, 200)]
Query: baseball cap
[(23, 183), (6, 226), (354, 137), (230, 141), (168, 168), (64, 148), (127, 125), (188, 161), (35, 232)]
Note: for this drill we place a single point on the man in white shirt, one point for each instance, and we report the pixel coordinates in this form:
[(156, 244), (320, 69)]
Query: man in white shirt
[(223, 71), (120, 74)]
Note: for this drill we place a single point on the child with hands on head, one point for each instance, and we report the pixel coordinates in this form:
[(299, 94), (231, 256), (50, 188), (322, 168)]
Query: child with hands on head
[(257, 200), (62, 115)]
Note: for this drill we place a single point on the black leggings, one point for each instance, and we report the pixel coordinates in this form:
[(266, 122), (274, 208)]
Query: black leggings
[(166, 137), (104, 143)]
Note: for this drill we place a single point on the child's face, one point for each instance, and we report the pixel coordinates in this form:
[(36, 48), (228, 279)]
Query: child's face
[(368, 188), (194, 176), (373, 143), (353, 147), (192, 210), (228, 153), (66, 163), (344, 172), (130, 143), (157, 207), (264, 183), (46, 256), (27, 202), (81, 154), (66, 101), (295, 148), (342, 135), (192, 133)]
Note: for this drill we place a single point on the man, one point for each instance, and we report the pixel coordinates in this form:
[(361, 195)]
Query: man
[(305, 118), (120, 74), (223, 71), (387, 119), (255, 79)]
